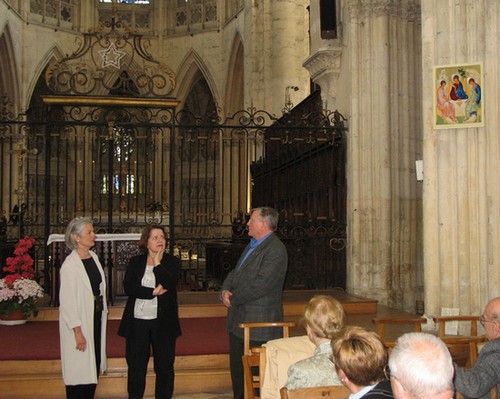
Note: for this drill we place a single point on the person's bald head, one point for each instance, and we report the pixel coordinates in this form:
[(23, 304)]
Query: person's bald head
[(490, 319)]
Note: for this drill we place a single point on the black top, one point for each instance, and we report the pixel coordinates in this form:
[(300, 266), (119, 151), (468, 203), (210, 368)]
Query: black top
[(94, 275), (382, 390)]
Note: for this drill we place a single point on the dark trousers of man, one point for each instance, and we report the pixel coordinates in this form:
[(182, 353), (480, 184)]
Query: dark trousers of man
[(235, 363), (145, 334)]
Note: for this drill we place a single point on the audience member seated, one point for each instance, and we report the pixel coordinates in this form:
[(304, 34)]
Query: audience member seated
[(485, 374), (421, 368), (360, 358), (323, 318)]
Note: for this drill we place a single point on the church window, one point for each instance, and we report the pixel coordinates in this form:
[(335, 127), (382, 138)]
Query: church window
[(54, 12), (328, 19)]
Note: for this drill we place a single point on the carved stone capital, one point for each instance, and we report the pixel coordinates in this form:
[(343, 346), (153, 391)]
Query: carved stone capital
[(324, 68), (323, 61)]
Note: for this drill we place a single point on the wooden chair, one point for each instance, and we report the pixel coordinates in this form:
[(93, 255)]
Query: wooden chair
[(252, 373), (331, 392), (463, 349), (247, 327), (442, 320), (381, 324), (254, 359)]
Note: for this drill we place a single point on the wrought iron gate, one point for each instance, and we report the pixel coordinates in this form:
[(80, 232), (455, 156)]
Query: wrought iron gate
[(129, 162), (111, 144)]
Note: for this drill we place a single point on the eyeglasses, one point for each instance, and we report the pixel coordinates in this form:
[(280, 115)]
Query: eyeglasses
[(483, 320), (387, 372)]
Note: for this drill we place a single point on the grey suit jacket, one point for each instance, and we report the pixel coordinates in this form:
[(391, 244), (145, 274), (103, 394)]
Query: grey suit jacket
[(257, 289), (480, 379)]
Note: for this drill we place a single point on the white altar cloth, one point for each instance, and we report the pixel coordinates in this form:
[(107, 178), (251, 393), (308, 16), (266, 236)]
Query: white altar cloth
[(100, 237)]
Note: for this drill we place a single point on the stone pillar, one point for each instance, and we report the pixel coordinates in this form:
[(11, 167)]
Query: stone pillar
[(461, 181), (381, 61), (276, 44)]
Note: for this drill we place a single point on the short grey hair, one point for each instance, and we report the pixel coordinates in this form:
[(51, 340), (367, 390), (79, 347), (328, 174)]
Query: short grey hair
[(269, 215), (75, 227), (422, 364)]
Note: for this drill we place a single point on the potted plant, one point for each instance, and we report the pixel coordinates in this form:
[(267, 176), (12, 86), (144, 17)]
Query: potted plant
[(18, 289)]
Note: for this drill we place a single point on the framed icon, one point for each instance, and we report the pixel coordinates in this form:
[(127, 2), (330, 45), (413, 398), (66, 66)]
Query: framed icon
[(458, 98)]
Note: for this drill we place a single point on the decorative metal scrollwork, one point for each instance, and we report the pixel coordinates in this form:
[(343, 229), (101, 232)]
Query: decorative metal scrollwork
[(118, 62)]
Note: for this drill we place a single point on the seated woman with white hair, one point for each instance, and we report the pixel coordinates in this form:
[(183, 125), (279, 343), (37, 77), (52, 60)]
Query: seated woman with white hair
[(323, 319)]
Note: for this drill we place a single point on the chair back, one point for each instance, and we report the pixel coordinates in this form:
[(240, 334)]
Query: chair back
[(251, 373), (247, 327), (414, 322), (463, 349), (254, 359), (330, 392), (442, 320)]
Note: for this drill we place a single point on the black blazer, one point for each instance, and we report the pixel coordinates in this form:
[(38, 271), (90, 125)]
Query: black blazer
[(382, 390), (166, 274)]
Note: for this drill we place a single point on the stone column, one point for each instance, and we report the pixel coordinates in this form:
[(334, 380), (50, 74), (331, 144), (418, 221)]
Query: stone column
[(381, 61), (462, 180), (276, 44)]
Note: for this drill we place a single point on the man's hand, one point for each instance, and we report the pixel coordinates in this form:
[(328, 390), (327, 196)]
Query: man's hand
[(226, 298)]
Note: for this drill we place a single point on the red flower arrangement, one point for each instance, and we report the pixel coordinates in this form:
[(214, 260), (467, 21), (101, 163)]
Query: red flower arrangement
[(21, 265), (18, 289)]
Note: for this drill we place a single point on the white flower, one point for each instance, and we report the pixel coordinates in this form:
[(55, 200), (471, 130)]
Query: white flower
[(23, 289)]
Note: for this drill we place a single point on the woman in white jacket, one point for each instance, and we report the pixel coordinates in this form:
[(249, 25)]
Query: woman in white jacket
[(82, 312)]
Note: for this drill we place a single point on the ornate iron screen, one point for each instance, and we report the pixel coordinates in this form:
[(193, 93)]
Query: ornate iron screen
[(110, 144), (131, 162)]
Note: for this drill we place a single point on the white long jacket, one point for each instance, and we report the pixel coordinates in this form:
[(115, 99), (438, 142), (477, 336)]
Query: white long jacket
[(77, 309)]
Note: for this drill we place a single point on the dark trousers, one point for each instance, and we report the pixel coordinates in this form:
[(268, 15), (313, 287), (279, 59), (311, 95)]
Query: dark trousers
[(144, 336), (236, 364), (82, 391)]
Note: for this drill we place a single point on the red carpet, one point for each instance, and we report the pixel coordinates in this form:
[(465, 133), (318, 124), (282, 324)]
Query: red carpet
[(39, 340)]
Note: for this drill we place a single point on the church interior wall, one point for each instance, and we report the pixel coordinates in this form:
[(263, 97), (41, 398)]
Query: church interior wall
[(274, 61), (437, 240), (376, 53), (461, 211)]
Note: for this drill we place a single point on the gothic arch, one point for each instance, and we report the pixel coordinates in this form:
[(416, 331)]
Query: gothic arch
[(37, 86), (235, 76), (191, 69), (9, 82)]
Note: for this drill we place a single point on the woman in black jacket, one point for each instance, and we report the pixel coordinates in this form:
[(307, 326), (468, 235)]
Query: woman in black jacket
[(151, 318)]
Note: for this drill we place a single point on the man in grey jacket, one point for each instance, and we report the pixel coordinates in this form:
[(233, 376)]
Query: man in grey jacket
[(480, 379), (252, 291)]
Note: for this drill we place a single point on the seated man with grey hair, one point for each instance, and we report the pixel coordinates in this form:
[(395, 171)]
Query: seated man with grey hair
[(421, 368), (485, 375)]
